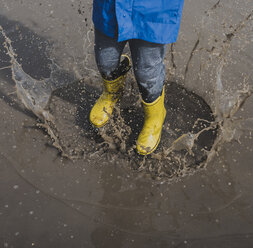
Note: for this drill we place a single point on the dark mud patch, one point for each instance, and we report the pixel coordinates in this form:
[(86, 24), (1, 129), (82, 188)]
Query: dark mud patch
[(187, 138)]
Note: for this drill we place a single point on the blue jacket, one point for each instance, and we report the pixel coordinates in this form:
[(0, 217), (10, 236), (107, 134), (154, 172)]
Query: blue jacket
[(155, 21)]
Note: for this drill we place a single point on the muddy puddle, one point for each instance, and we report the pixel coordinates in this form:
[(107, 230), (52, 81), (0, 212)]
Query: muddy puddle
[(63, 105), (72, 185), (189, 120)]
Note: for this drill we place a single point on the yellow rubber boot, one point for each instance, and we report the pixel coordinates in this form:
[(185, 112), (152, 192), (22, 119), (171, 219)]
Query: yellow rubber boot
[(150, 135), (104, 106), (113, 90)]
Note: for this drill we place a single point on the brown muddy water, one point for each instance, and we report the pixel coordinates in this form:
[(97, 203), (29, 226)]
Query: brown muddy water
[(64, 183)]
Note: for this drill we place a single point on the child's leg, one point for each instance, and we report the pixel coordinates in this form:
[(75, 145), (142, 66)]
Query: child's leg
[(107, 53), (149, 69)]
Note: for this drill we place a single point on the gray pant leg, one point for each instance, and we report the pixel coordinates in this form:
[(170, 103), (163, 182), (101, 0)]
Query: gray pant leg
[(149, 69), (107, 53)]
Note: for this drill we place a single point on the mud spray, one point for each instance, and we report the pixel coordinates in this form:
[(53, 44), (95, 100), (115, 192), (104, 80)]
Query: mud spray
[(194, 130)]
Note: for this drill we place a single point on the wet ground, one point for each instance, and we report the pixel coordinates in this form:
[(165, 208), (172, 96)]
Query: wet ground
[(107, 195)]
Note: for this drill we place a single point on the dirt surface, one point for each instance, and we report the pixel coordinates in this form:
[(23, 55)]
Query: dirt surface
[(107, 195)]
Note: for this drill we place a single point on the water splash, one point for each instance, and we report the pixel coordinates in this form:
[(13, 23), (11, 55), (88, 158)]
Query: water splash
[(34, 94), (182, 148)]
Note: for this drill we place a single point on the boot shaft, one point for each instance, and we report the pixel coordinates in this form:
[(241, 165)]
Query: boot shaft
[(155, 108), (115, 86), (115, 83)]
